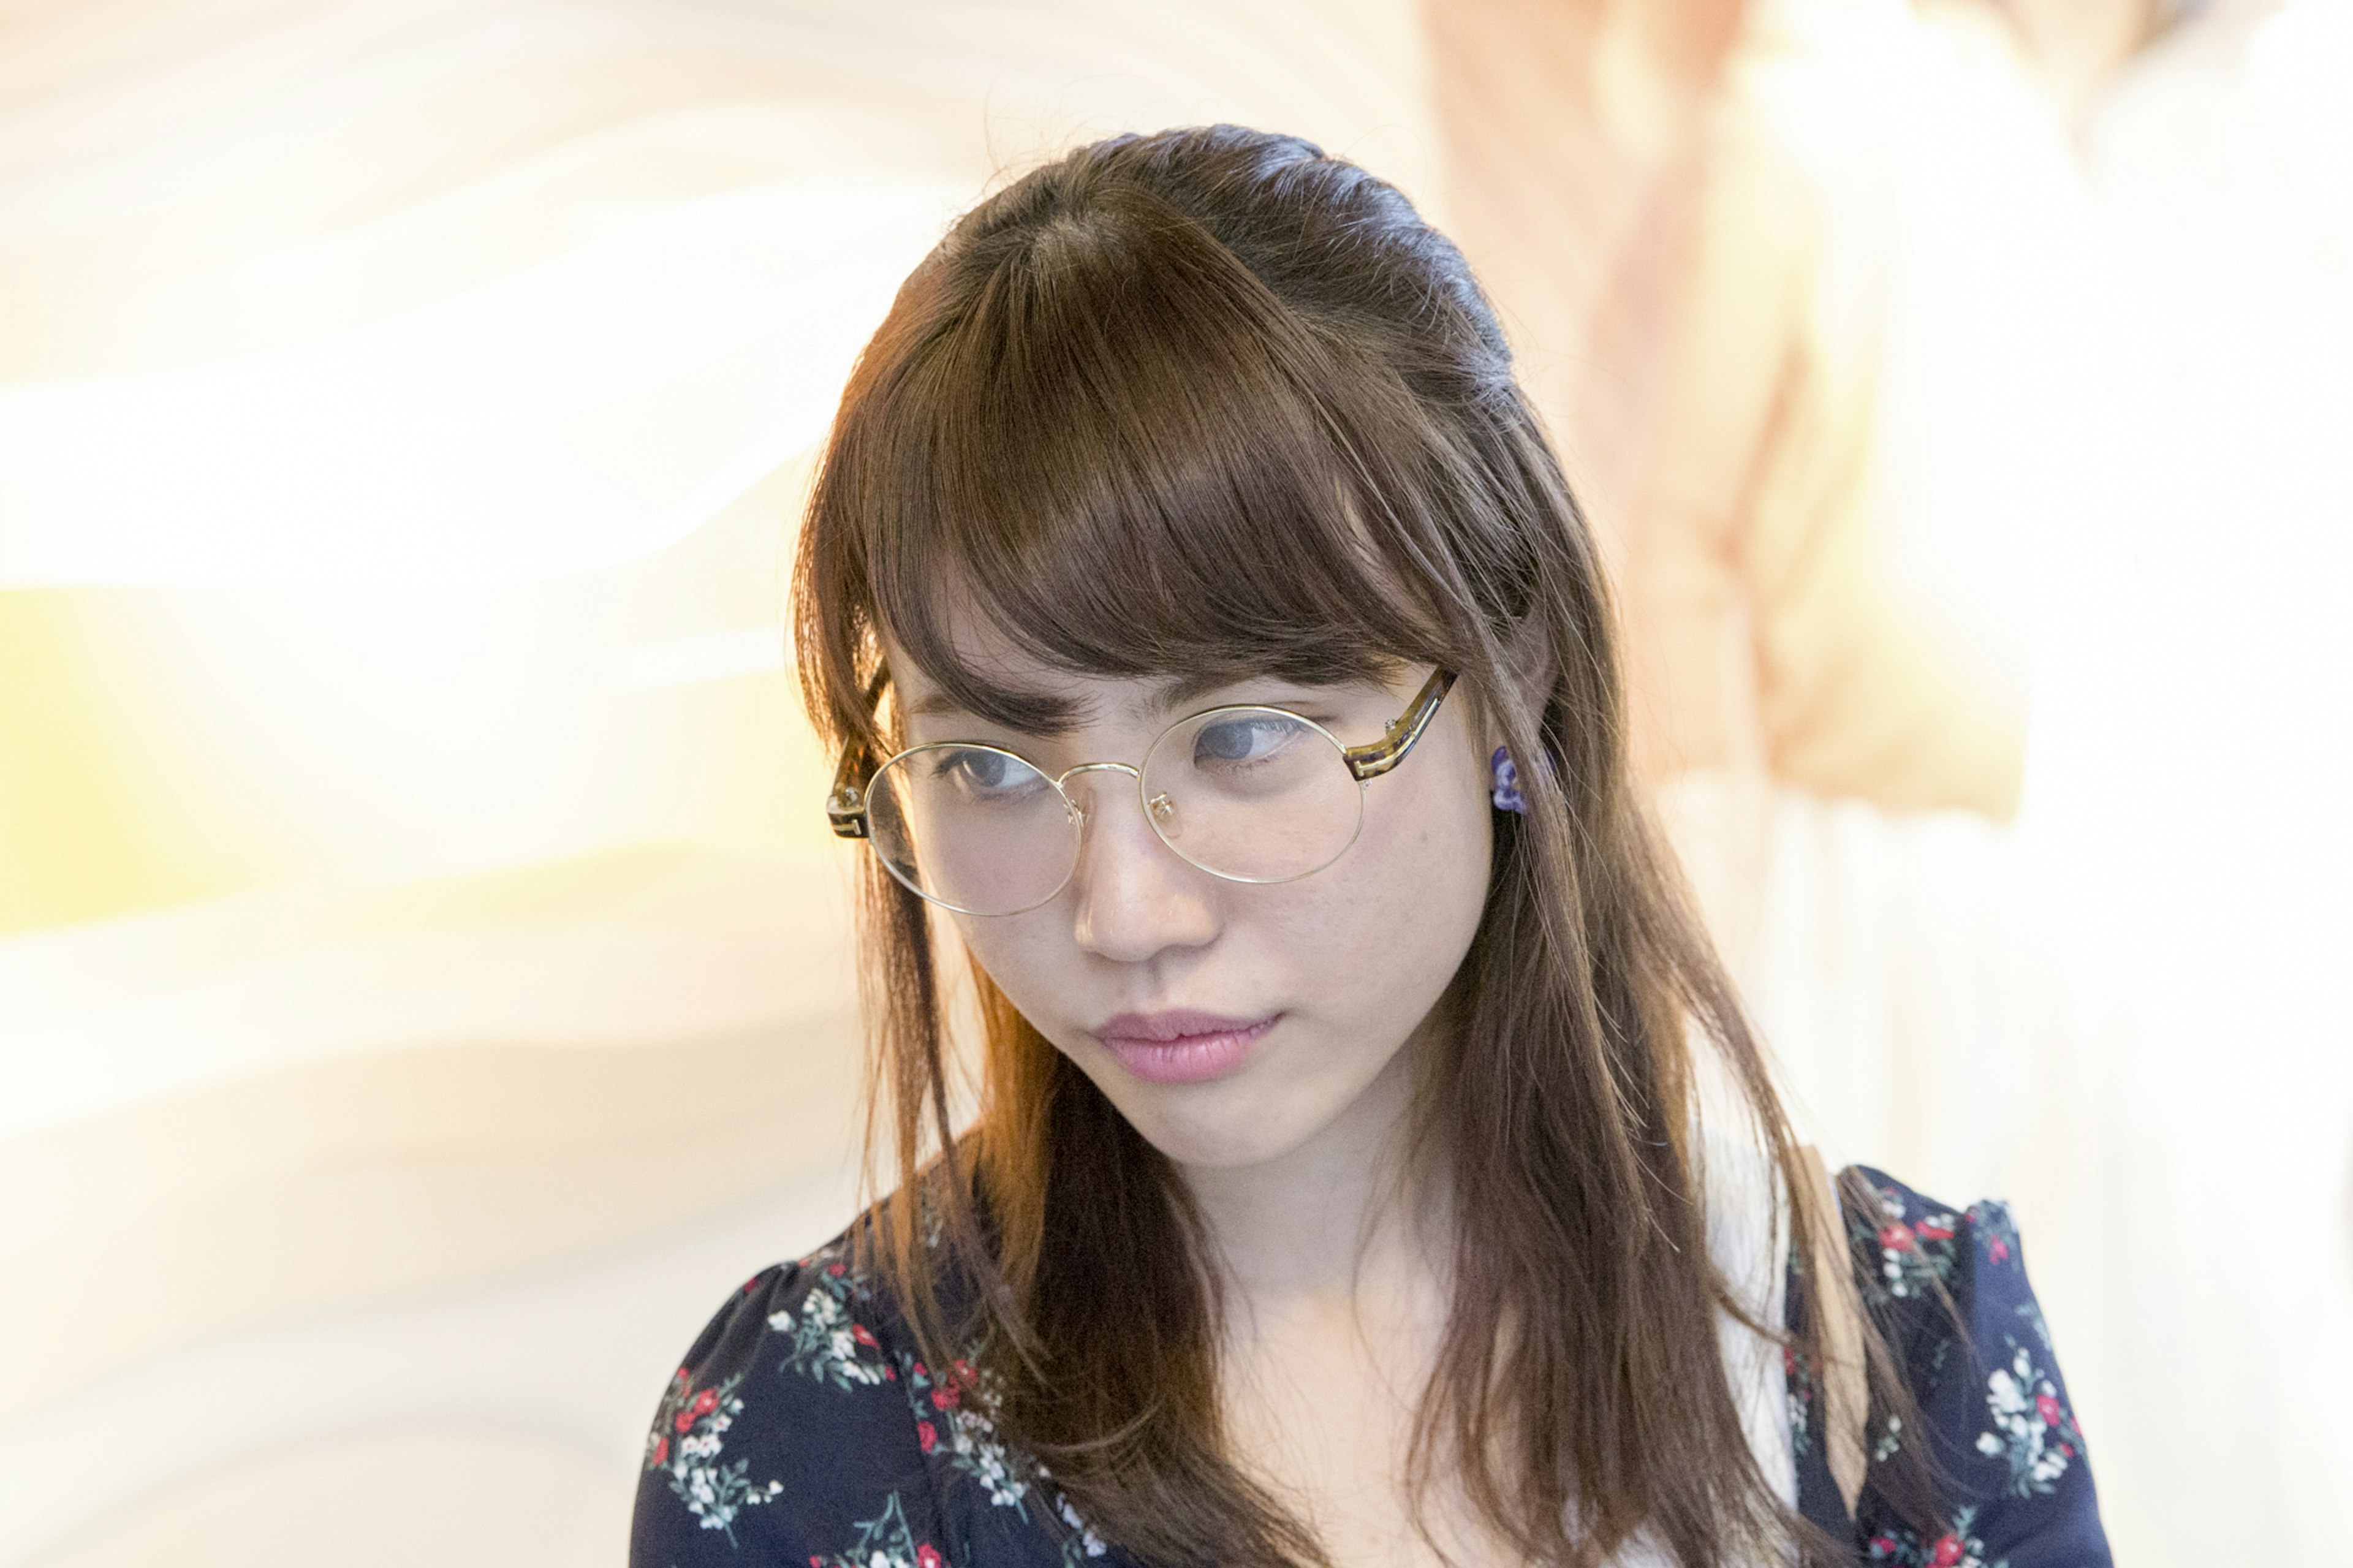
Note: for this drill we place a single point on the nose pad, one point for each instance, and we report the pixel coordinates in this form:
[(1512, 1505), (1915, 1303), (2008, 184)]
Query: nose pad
[(1082, 792), (1164, 815)]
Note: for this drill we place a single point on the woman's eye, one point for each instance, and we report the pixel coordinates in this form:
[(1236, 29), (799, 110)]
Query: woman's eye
[(978, 771), (1244, 737)]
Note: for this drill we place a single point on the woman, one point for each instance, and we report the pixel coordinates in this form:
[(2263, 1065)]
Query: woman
[(1369, 1163)]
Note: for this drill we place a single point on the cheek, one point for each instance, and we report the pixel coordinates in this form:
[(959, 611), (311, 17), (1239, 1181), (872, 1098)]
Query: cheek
[(1028, 957), (1366, 948), (1415, 884)]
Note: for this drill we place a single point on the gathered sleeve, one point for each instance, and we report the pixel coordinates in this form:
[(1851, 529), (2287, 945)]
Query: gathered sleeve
[(1998, 1425)]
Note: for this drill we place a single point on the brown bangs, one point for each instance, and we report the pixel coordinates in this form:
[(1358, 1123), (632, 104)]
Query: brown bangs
[(1117, 449)]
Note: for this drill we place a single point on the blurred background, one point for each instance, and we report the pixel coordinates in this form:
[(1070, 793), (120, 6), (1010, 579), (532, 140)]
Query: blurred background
[(423, 985)]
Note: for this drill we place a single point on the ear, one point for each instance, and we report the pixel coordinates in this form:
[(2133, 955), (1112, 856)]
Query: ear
[(1528, 667)]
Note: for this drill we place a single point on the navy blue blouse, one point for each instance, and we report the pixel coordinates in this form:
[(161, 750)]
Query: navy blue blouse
[(805, 1427)]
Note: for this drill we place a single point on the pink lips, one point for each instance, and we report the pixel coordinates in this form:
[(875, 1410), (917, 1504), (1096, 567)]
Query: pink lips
[(1181, 1046)]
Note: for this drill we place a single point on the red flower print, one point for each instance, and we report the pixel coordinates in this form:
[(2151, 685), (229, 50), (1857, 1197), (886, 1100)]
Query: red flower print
[(682, 1379), (2048, 1408), (963, 1373), (1882, 1545), (683, 1421), (661, 1451), (919, 1372), (928, 1556), (835, 1269), (1896, 1237), (1932, 1231), (861, 1333), (945, 1396), (927, 1435), (705, 1402), (2067, 1450), (1998, 1249), (1946, 1551)]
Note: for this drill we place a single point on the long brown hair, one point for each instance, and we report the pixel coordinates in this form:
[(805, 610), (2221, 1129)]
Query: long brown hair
[(1209, 401)]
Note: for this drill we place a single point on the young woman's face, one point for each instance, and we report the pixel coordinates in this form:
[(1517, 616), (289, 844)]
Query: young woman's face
[(1230, 1023)]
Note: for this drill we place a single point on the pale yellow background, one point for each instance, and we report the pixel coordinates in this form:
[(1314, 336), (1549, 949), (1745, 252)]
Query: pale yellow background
[(423, 983)]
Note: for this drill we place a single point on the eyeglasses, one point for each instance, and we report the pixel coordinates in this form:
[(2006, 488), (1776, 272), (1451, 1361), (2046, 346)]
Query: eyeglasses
[(1249, 793)]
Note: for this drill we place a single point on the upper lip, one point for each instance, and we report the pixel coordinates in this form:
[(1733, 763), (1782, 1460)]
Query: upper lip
[(1176, 1024)]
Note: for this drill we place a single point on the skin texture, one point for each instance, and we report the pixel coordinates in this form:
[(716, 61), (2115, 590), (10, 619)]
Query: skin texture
[(1334, 1255)]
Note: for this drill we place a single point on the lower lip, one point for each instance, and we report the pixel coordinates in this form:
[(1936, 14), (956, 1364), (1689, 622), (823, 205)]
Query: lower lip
[(1190, 1059)]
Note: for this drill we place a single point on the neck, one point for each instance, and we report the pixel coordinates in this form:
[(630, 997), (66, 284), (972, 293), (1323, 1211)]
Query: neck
[(1336, 1267)]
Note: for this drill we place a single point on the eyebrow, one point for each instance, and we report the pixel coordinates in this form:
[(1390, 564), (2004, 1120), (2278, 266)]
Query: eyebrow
[(1179, 689), (1031, 712)]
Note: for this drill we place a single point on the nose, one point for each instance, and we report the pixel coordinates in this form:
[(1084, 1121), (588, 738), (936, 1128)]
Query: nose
[(1136, 897)]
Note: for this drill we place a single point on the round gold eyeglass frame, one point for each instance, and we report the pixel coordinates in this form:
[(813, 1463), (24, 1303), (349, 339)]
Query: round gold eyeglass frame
[(846, 804)]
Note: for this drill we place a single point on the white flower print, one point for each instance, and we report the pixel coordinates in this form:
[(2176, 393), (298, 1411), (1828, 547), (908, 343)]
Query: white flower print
[(685, 1444), (2032, 1429), (973, 1447), (956, 1397), (1087, 1537), (827, 1344)]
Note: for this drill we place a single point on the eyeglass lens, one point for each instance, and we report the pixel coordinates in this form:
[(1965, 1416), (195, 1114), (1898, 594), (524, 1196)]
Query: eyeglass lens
[(1252, 795)]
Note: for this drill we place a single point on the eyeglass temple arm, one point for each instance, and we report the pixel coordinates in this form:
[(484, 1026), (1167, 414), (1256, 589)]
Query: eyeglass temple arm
[(1370, 762), (845, 804)]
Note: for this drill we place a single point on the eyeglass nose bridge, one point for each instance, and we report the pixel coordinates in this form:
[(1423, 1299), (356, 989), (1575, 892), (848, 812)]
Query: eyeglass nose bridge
[(1156, 810)]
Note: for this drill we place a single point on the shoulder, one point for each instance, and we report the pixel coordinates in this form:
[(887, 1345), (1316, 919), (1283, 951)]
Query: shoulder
[(1948, 1287), (805, 1426), (784, 1435)]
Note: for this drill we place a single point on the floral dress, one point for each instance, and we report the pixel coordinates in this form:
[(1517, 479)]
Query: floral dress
[(805, 1427)]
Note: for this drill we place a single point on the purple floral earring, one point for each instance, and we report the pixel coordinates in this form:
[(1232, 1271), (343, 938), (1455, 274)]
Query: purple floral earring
[(1507, 783)]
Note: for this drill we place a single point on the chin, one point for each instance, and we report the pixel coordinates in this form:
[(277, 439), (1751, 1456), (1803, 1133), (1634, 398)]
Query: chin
[(1232, 1135)]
